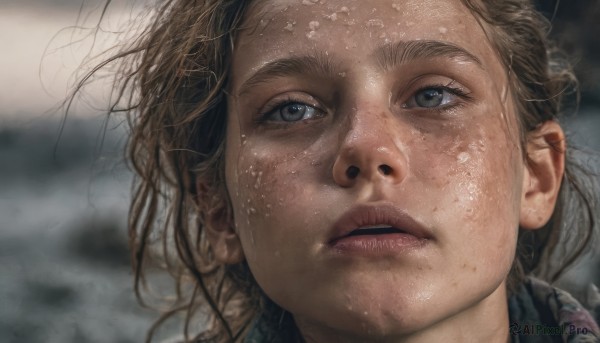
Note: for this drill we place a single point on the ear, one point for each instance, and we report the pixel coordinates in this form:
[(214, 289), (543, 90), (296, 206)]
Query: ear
[(543, 174), (218, 224)]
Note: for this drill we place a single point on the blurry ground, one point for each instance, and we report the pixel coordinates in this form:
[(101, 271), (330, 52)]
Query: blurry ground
[(64, 265)]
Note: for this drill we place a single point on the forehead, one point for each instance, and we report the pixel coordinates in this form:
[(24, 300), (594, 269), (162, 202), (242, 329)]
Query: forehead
[(351, 30)]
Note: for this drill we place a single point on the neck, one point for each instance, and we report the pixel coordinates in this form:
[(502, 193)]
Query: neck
[(485, 321)]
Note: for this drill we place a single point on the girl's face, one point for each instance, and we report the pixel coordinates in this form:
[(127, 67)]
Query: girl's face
[(349, 115)]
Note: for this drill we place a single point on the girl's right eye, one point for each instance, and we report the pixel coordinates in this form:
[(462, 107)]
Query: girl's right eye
[(291, 111)]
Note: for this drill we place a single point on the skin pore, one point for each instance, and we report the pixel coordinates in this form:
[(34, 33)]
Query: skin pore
[(403, 104)]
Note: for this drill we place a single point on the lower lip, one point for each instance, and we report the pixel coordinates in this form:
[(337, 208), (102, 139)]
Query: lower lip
[(377, 245)]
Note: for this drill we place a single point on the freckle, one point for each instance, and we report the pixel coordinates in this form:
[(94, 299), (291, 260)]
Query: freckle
[(474, 268), (464, 265), (454, 284), (435, 209)]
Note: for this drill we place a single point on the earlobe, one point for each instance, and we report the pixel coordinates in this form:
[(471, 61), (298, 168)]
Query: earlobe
[(543, 174), (218, 225)]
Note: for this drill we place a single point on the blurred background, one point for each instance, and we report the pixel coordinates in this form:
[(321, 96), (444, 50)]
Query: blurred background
[(64, 185)]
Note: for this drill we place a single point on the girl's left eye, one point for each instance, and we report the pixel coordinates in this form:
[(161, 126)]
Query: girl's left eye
[(291, 112), (431, 97)]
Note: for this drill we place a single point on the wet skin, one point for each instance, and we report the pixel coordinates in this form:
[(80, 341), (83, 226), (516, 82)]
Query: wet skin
[(386, 103)]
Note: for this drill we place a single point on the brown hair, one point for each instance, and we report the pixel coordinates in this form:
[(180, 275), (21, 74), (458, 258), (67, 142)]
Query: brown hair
[(173, 79)]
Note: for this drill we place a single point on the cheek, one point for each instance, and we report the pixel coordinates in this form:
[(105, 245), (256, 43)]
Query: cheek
[(268, 189), (475, 181)]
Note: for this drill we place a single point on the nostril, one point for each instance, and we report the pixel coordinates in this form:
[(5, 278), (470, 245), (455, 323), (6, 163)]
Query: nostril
[(352, 172), (385, 169)]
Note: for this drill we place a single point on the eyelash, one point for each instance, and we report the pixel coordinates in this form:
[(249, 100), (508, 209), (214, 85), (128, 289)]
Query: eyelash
[(456, 91), (277, 105)]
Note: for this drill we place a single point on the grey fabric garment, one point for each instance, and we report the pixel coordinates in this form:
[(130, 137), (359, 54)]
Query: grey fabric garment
[(541, 313)]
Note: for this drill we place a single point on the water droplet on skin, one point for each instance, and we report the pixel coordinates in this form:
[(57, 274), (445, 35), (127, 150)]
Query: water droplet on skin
[(443, 30), (258, 180), (289, 27), (375, 23), (344, 9), (332, 16), (463, 157), (410, 23), (314, 25), (311, 34), (471, 188), (252, 210), (396, 7), (309, 2), (342, 74)]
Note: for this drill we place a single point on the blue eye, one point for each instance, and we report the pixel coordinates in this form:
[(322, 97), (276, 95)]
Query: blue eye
[(431, 97), (293, 111)]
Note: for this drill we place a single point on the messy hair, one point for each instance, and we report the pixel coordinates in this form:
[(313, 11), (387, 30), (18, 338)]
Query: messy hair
[(172, 83)]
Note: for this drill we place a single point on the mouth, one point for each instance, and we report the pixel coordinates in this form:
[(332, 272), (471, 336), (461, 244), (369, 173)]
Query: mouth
[(377, 229), (374, 230)]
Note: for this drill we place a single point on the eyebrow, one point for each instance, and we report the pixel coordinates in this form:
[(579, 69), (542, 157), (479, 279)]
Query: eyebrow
[(391, 55), (388, 56), (317, 65)]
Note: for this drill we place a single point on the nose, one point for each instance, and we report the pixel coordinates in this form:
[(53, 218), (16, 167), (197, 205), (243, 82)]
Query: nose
[(370, 151)]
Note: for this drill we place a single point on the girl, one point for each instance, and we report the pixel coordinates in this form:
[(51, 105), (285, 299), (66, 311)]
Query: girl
[(356, 171)]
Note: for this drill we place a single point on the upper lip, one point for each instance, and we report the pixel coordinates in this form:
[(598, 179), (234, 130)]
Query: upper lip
[(383, 214)]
